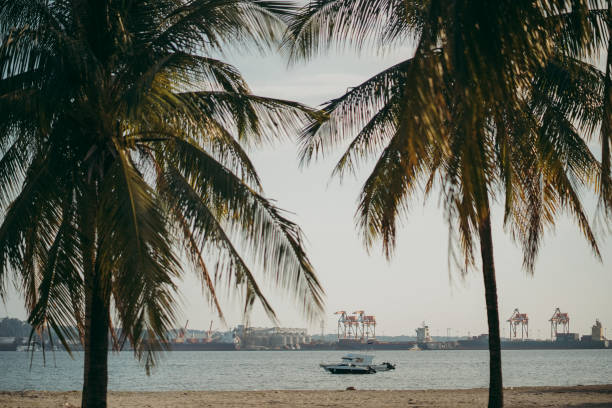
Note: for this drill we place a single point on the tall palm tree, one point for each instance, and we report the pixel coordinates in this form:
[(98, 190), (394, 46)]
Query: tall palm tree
[(459, 117), (123, 159)]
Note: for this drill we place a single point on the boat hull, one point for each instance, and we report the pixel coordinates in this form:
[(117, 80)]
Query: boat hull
[(353, 369), (212, 346), (349, 369), (383, 367)]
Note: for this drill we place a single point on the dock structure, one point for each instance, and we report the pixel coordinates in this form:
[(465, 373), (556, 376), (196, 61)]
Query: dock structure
[(272, 338)]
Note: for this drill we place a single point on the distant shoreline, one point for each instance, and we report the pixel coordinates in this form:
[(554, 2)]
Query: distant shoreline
[(576, 396)]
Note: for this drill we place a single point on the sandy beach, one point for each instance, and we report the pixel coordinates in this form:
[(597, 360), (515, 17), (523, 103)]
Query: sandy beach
[(591, 396)]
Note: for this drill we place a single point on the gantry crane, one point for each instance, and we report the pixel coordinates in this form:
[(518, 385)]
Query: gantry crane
[(559, 319), (180, 338), (517, 319), (342, 328), (366, 325), (209, 333), (356, 326)]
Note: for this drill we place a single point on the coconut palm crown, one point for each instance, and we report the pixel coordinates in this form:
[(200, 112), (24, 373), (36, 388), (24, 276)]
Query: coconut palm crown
[(123, 162)]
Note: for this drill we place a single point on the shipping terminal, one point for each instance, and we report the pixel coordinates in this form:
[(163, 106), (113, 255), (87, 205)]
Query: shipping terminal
[(357, 331)]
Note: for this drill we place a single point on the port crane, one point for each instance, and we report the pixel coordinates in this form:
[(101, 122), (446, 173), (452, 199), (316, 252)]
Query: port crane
[(356, 326), (366, 325), (342, 326), (559, 319), (209, 333), (180, 338), (519, 319)]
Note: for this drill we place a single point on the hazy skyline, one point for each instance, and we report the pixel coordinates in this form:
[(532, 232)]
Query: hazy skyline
[(415, 285)]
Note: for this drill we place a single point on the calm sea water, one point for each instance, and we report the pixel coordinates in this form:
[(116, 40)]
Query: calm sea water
[(264, 370)]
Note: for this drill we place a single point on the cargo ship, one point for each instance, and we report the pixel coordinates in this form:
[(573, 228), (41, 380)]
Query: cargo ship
[(352, 344), (203, 346), (212, 341), (423, 342), (377, 345), (562, 341), (482, 343)]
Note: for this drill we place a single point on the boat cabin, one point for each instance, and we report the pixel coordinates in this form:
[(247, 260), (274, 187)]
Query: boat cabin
[(357, 359)]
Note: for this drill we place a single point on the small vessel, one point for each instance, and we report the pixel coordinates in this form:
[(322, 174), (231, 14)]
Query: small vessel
[(29, 347), (357, 364)]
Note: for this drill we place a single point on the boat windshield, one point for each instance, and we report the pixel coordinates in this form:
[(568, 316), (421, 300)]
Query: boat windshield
[(357, 358), (354, 359)]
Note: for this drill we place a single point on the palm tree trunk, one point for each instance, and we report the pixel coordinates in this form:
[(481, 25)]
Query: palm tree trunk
[(496, 398), (95, 376), (95, 373)]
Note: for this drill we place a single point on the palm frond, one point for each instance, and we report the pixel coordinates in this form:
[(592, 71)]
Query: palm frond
[(134, 247), (324, 23), (353, 110), (272, 240), (215, 23), (255, 119), (210, 234), (606, 127), (60, 281)]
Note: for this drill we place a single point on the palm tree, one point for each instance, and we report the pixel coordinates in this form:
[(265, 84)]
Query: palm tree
[(123, 159), (460, 117)]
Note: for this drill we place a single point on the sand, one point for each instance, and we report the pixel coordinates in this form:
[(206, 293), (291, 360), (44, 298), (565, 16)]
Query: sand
[(591, 396)]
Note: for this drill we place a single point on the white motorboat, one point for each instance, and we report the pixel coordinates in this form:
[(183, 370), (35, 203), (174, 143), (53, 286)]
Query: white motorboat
[(357, 364)]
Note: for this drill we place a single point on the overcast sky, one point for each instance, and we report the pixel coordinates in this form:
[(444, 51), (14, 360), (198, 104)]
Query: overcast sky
[(415, 286)]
